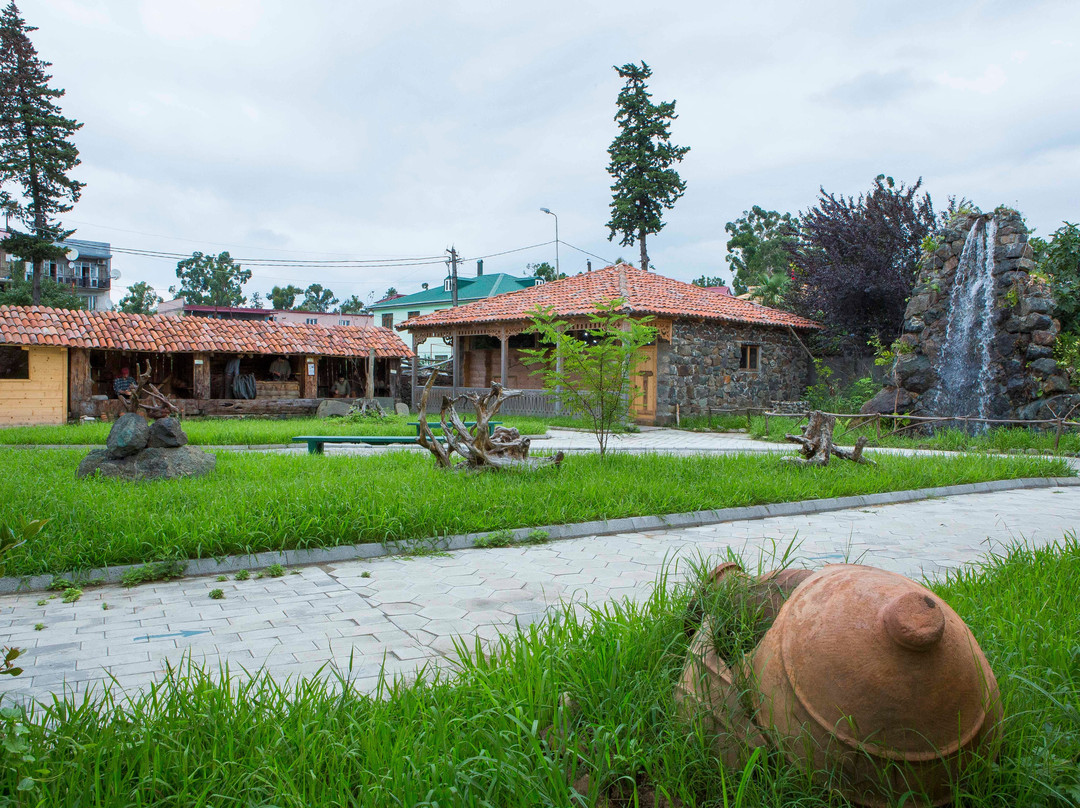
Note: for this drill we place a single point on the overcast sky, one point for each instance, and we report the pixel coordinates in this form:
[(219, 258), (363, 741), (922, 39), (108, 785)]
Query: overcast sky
[(333, 130)]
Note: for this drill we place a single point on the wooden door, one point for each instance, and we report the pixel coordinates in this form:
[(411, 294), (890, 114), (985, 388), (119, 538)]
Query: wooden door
[(643, 408)]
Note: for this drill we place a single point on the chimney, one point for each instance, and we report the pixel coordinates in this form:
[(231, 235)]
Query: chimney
[(588, 265), (479, 267)]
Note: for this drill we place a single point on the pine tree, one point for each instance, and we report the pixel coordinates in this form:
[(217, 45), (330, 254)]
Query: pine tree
[(36, 152), (642, 156)]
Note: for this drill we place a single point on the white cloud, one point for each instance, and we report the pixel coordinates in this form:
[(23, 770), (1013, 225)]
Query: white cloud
[(991, 80)]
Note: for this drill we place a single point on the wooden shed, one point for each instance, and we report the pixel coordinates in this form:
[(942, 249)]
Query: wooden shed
[(57, 364)]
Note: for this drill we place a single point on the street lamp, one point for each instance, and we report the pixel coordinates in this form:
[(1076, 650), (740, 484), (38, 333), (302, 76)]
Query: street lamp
[(545, 210)]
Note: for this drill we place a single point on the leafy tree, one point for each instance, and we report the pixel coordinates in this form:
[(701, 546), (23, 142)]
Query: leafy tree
[(140, 299), (256, 301), (211, 280), (36, 153), (856, 262), (283, 298), (593, 377), (642, 157), (545, 272), (354, 305), (759, 246), (20, 292), (389, 293), (770, 292), (708, 280), (1059, 260), (317, 299)]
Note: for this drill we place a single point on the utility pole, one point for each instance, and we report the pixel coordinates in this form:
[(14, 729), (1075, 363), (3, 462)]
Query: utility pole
[(456, 352)]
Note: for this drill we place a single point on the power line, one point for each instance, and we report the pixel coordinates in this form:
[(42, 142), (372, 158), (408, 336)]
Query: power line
[(594, 255)]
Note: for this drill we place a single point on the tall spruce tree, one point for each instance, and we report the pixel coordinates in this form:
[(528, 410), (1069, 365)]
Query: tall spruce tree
[(36, 152), (642, 157)]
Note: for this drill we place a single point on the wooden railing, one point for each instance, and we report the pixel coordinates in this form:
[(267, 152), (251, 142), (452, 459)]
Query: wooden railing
[(530, 402)]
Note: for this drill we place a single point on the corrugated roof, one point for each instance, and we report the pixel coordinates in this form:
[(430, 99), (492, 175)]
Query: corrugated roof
[(468, 289), (159, 333), (644, 293)]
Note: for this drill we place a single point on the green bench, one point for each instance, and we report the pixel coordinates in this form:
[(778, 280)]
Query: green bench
[(315, 443), (436, 426)]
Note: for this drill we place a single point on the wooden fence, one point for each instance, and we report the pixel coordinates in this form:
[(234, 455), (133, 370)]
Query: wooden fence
[(530, 402)]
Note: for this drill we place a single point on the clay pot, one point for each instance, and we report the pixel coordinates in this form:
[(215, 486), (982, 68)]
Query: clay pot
[(876, 686), (766, 593), (710, 688)]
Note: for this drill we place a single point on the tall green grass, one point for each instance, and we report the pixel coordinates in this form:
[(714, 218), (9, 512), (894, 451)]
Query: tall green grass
[(603, 679), (255, 431), (254, 502)]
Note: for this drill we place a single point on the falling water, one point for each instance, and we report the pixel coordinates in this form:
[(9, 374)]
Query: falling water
[(963, 367)]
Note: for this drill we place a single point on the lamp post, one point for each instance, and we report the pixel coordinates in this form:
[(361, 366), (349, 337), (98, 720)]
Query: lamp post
[(545, 210)]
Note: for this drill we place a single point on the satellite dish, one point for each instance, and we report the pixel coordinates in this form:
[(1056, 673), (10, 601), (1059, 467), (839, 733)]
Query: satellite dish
[(71, 254), (114, 274)]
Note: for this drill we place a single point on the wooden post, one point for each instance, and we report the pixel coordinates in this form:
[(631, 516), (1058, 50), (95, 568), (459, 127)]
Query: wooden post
[(80, 385), (201, 382), (503, 358), (369, 388), (309, 377), (1057, 434), (877, 426), (558, 388), (413, 367), (456, 364)]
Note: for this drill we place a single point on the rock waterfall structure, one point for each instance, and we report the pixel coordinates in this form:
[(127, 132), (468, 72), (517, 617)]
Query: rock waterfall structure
[(978, 331)]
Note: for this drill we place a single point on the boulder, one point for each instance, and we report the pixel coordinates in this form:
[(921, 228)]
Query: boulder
[(333, 408), (889, 400), (128, 436), (165, 433), (150, 464), (914, 372), (401, 409), (1045, 366)]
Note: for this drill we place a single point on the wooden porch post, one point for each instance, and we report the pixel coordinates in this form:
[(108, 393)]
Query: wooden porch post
[(80, 385), (503, 358), (412, 365), (369, 388), (456, 363), (309, 377), (201, 382)]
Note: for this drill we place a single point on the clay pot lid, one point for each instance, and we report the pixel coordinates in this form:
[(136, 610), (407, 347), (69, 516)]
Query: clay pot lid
[(883, 663)]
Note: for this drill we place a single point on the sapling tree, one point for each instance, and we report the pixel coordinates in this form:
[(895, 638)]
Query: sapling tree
[(36, 151), (589, 367)]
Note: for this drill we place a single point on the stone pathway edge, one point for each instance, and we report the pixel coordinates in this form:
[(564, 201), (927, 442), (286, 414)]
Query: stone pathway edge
[(603, 527)]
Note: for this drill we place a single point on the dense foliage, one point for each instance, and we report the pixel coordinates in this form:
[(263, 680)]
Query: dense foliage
[(642, 156), (856, 262), (140, 299), (316, 298), (545, 272), (211, 280), (1059, 260), (283, 298), (20, 292), (36, 151), (759, 249)]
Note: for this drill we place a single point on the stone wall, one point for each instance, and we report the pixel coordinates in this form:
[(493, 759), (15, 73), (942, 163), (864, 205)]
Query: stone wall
[(1023, 380), (699, 369)]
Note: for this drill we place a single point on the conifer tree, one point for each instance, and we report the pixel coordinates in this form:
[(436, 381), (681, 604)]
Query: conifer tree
[(642, 157), (36, 151)]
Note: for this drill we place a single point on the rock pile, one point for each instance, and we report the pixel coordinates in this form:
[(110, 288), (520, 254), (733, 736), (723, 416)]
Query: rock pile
[(1020, 379), (138, 450)]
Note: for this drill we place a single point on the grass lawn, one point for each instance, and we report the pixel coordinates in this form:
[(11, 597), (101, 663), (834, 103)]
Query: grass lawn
[(478, 740), (254, 502), (256, 431), (1001, 439)]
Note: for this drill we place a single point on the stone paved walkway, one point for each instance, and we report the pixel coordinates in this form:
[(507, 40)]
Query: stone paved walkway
[(403, 612)]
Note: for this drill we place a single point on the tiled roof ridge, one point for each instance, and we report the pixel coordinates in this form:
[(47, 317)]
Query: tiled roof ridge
[(643, 292), (112, 330)]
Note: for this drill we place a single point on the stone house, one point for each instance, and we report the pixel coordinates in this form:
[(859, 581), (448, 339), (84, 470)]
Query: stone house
[(57, 364), (713, 352)]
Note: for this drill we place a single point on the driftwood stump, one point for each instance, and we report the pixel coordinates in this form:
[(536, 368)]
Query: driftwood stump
[(148, 398), (504, 448), (817, 444), (367, 408)]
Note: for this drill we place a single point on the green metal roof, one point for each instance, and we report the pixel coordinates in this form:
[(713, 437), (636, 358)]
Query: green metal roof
[(468, 289)]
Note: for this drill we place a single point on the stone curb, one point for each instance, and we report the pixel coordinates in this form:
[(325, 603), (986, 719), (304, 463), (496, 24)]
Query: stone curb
[(603, 527)]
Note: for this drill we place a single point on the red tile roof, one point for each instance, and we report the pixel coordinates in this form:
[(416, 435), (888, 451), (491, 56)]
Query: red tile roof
[(644, 293), (111, 330)]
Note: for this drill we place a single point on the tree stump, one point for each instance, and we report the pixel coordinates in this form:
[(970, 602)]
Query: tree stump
[(148, 398), (817, 443), (503, 449)]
